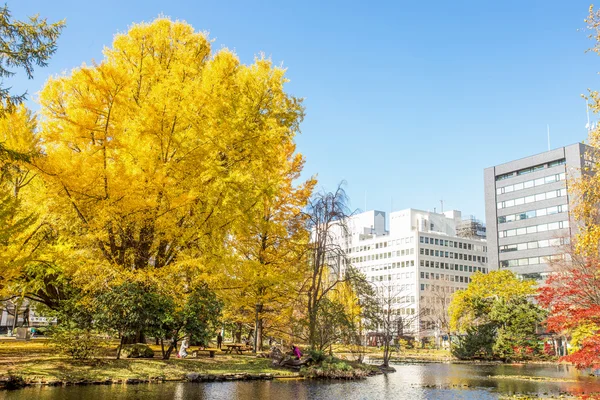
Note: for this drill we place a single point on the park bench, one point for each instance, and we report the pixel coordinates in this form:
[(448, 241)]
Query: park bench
[(210, 352), (237, 347)]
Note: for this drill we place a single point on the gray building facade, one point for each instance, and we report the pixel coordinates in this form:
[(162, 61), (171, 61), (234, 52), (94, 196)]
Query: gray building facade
[(528, 209)]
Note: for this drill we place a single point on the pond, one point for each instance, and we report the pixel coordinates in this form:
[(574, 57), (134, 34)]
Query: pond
[(411, 381)]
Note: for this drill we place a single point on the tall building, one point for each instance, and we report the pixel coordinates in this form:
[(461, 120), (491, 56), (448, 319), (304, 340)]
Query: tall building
[(420, 258), (528, 209)]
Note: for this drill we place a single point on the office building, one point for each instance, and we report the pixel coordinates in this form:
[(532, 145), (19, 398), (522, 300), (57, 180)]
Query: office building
[(528, 209), (420, 260)]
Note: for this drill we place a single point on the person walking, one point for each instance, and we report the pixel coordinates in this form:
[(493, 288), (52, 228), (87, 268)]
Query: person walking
[(219, 340)]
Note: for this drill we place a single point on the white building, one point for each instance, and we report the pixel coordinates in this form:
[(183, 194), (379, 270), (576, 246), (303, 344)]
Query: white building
[(420, 260)]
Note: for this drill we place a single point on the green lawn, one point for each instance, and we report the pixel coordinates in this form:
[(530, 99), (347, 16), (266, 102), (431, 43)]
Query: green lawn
[(37, 362)]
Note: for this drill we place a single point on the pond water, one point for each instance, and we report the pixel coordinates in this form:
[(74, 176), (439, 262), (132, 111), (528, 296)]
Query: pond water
[(411, 381)]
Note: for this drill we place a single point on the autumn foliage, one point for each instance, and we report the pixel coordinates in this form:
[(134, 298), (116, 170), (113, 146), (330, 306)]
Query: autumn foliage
[(166, 166), (572, 292), (572, 297)]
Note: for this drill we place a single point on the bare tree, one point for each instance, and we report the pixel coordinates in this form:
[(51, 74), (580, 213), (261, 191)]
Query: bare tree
[(327, 214), (434, 313), (392, 322)]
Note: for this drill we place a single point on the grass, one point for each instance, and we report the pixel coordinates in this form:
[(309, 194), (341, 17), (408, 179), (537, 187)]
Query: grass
[(35, 361), (428, 355)]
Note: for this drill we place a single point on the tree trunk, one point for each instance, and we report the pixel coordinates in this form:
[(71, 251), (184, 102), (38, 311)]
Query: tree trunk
[(238, 333), (257, 329), (386, 351), (167, 355), (162, 348), (15, 318), (312, 326), (120, 347), (259, 335), (139, 337)]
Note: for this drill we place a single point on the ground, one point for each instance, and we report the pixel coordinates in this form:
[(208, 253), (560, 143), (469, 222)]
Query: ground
[(412, 355), (35, 361)]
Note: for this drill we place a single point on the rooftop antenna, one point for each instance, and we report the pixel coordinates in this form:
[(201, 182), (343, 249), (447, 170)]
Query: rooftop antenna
[(590, 126), (548, 128), (442, 202)]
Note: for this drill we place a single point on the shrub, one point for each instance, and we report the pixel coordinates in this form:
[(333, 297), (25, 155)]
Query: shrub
[(317, 355), (138, 350), (477, 343), (80, 344), (333, 369)]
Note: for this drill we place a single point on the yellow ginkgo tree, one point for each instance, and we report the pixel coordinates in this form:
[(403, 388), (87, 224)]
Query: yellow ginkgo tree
[(264, 276), (155, 154)]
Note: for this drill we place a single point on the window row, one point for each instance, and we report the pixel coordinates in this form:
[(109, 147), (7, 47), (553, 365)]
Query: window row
[(535, 244), (451, 243), (404, 300), (531, 183), (381, 245), (530, 199), (528, 170), (384, 267), (403, 311), (383, 256), (519, 262), (533, 229), (454, 267), (390, 277), (438, 288), (533, 213), (451, 254), (445, 277)]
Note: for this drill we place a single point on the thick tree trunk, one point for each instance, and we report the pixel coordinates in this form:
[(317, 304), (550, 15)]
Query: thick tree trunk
[(238, 333), (258, 309), (259, 335)]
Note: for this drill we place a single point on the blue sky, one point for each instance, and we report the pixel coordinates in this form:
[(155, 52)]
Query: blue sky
[(408, 101)]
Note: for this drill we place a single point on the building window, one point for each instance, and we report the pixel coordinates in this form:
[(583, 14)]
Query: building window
[(504, 176), (556, 163), (530, 199), (530, 169)]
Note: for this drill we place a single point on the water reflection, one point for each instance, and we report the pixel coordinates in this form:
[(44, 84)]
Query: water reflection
[(418, 381)]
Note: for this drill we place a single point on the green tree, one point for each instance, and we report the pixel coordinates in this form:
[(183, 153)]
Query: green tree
[(23, 44), (198, 318), (473, 305), (516, 323), (132, 309), (496, 317)]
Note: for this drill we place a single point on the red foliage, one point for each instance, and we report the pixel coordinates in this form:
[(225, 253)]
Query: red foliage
[(549, 349), (589, 354), (572, 297)]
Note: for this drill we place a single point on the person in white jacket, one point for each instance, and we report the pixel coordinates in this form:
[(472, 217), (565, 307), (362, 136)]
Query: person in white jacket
[(183, 349)]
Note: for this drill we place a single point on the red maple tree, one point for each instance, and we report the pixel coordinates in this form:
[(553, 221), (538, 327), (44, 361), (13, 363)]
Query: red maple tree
[(572, 297)]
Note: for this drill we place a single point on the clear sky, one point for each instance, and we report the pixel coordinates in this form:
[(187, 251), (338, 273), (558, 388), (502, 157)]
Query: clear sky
[(408, 101)]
